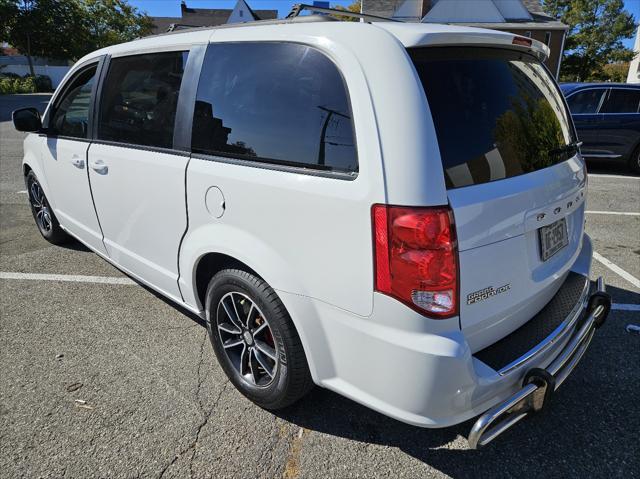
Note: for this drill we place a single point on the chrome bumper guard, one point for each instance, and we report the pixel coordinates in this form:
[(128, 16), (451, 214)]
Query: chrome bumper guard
[(539, 384)]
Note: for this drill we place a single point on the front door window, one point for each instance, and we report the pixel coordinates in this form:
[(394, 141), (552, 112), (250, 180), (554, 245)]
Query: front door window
[(71, 114)]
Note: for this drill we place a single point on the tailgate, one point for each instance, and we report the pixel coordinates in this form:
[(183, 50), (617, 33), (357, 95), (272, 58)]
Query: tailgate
[(503, 279), (513, 174)]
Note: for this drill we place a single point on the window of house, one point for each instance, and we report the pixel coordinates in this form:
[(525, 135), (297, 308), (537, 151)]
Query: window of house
[(621, 100), (281, 103), (140, 99), (71, 115)]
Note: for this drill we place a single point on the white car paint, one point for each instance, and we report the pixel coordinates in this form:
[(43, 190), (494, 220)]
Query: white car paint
[(310, 236), (65, 168), (142, 214)]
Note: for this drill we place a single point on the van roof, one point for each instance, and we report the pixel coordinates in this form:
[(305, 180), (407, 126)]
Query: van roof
[(409, 34)]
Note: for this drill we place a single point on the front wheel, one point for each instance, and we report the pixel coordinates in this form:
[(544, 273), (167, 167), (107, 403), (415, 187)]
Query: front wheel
[(46, 220), (255, 340)]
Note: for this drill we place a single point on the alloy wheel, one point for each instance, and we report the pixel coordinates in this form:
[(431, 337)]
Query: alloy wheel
[(247, 339), (40, 207)]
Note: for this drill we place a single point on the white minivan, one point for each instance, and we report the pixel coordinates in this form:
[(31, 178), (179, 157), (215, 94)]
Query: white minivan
[(392, 211)]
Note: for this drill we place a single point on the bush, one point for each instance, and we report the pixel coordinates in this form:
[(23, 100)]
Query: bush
[(10, 85), (9, 75), (6, 86), (43, 84), (13, 83), (27, 85)]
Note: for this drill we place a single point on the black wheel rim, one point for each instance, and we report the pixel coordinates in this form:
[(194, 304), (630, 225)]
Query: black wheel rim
[(40, 207), (247, 339)]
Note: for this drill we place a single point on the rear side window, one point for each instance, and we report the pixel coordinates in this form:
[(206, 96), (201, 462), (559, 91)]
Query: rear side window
[(140, 98), (586, 101), (497, 113), (71, 116), (280, 103), (621, 100)]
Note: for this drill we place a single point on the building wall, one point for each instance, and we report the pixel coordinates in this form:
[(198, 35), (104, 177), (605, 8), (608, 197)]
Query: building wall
[(20, 66), (386, 8), (634, 66)]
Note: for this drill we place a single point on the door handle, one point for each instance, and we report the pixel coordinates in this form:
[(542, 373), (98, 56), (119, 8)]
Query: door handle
[(99, 167), (77, 161)]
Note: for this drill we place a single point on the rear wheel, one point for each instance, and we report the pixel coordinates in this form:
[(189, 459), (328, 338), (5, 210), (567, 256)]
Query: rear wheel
[(634, 161), (255, 341), (43, 214)]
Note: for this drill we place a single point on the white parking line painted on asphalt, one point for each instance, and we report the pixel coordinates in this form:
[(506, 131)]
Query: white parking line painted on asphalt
[(625, 307), (22, 192), (600, 175), (621, 213), (617, 269), (74, 278)]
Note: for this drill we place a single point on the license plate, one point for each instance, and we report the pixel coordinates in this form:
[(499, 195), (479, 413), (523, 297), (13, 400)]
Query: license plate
[(553, 238)]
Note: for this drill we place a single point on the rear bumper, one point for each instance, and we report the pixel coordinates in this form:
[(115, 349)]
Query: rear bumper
[(422, 372), (539, 383)]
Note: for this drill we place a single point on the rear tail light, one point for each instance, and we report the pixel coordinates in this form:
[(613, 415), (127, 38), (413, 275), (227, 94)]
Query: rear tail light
[(416, 258), (523, 41)]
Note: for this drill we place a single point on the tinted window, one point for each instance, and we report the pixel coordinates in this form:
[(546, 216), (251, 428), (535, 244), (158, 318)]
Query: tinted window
[(274, 102), (71, 116), (621, 100), (140, 97), (586, 101), (497, 113)]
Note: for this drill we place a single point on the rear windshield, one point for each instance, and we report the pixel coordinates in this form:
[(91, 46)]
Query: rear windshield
[(497, 113)]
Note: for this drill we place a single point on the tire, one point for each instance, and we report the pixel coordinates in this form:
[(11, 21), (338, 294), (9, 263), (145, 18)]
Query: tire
[(42, 212), (265, 361), (634, 161)]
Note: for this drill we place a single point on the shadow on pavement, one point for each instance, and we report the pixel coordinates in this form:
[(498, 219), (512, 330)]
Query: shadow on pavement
[(624, 296), (609, 167), (586, 432)]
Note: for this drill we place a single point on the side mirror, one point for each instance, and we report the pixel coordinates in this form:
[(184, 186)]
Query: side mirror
[(27, 119)]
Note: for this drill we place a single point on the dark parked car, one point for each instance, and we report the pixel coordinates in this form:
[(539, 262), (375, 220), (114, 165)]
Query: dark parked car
[(607, 117)]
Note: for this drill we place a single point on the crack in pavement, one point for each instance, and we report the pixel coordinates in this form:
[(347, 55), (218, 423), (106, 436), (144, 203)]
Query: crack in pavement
[(206, 416)]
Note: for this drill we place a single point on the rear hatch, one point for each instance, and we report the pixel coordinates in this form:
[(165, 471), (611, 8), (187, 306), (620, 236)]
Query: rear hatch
[(515, 181)]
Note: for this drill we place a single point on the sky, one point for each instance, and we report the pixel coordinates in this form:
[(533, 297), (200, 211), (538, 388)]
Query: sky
[(171, 8)]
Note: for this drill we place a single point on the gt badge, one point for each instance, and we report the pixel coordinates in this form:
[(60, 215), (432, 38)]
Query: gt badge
[(485, 293)]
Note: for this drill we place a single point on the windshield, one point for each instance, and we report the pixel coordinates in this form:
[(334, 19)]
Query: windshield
[(497, 113)]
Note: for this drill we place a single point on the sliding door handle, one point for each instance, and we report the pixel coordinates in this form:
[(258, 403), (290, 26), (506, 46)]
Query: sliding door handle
[(99, 167), (77, 161)]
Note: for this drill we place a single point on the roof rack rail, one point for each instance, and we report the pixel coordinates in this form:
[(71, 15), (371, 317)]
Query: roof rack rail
[(300, 7), (179, 26)]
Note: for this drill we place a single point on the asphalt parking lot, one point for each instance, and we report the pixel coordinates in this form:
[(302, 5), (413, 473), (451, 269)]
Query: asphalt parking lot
[(109, 380)]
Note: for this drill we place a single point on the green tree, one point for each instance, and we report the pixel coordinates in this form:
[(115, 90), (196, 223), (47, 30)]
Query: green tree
[(68, 29), (529, 131), (108, 22), (616, 72), (355, 7), (47, 28), (594, 39)]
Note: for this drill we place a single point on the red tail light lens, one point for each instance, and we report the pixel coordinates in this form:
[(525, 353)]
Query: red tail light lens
[(416, 259), (523, 41)]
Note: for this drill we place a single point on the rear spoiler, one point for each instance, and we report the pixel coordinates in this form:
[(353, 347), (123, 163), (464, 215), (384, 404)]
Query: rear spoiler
[(489, 38), (422, 35)]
